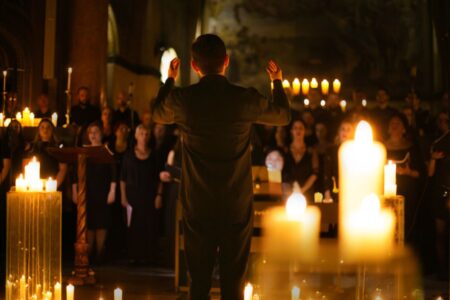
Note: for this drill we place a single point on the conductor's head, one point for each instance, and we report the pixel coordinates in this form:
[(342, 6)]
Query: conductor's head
[(209, 55)]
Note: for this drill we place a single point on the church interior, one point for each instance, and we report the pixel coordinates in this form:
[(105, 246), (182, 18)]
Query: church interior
[(367, 83)]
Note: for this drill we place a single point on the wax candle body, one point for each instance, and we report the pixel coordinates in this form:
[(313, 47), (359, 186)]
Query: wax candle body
[(57, 291), (305, 86), (50, 185), (248, 292), (314, 83), (325, 85), (336, 86), (390, 181), (118, 294), (296, 86), (70, 291)]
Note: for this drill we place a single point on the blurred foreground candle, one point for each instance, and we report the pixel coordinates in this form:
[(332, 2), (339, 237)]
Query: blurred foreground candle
[(70, 291), (295, 293), (296, 87), (21, 184), (19, 117), (248, 292), (2, 118), (390, 180), (118, 294), (292, 232), (55, 119), (361, 163), (305, 86), (314, 83), (369, 232), (336, 86), (325, 85), (364, 102)]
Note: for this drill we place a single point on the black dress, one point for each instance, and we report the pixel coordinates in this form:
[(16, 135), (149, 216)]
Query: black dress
[(408, 186), (141, 178), (98, 183), (299, 171)]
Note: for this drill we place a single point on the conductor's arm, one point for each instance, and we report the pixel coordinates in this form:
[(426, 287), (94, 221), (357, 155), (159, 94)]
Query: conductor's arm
[(276, 112), (163, 108)]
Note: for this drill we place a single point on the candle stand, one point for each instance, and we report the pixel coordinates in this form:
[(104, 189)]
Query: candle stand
[(33, 264)]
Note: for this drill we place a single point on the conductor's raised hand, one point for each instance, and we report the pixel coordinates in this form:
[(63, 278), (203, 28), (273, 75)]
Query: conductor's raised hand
[(174, 68), (274, 71)]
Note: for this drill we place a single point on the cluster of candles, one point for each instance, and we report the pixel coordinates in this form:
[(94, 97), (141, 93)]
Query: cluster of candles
[(249, 295), (26, 118), (32, 181), (298, 88), (70, 293)]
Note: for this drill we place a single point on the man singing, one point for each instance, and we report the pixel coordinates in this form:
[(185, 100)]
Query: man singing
[(215, 118)]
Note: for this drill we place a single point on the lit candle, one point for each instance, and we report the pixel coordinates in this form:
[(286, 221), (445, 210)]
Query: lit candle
[(69, 77), (286, 84), (55, 119), (336, 86), (390, 182), (295, 293), (323, 103), (7, 121), (57, 291), (306, 102), (48, 295), (1, 119), (118, 294), (293, 231), (296, 86), (364, 102), (325, 86), (305, 86), (23, 288), (4, 80), (32, 119), (314, 83), (19, 117), (21, 184), (361, 163), (70, 291), (369, 231), (26, 116), (248, 291), (343, 105), (50, 185), (271, 85)]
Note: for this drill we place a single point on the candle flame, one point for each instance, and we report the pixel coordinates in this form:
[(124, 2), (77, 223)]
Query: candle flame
[(248, 291), (323, 103), (306, 102), (286, 84), (314, 83), (295, 204), (69, 70), (363, 132)]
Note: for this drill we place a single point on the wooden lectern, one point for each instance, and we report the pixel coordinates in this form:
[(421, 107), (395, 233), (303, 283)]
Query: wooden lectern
[(97, 155)]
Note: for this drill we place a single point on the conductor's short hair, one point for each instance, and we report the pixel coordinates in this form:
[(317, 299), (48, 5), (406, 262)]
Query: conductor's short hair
[(209, 53)]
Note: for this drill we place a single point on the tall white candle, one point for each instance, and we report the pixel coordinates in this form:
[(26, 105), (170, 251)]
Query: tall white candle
[(361, 163), (70, 291), (118, 294), (32, 119), (55, 119), (325, 85), (390, 180), (305, 86), (336, 86), (296, 86), (50, 185)]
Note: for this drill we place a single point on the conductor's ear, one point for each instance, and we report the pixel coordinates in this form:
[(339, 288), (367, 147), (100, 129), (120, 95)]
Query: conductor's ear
[(194, 66)]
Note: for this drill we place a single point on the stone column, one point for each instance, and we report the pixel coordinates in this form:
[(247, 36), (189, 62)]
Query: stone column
[(88, 25)]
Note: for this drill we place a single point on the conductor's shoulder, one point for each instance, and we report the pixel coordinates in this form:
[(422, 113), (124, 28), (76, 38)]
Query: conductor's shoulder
[(250, 91)]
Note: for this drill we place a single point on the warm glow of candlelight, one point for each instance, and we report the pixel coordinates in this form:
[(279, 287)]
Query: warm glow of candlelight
[(305, 86), (286, 84), (295, 204), (336, 86), (118, 294), (364, 102), (323, 103), (363, 133), (19, 116), (248, 291), (314, 84), (50, 185), (343, 105), (325, 85), (70, 291), (306, 102), (32, 119), (296, 86)]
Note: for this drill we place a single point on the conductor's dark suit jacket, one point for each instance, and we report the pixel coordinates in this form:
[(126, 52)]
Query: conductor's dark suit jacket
[(215, 118)]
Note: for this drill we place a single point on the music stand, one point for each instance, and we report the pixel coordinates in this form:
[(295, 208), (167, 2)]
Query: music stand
[(97, 155)]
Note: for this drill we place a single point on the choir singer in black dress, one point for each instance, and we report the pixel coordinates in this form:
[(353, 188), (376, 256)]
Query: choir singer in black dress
[(215, 118)]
